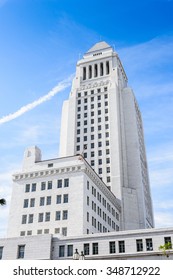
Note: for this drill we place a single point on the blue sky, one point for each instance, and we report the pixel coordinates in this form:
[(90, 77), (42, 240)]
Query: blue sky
[(40, 43)]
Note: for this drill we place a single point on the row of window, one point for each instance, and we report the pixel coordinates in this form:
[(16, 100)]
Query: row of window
[(93, 248), (47, 185), (63, 231), (98, 90), (45, 217), (46, 200), (95, 70)]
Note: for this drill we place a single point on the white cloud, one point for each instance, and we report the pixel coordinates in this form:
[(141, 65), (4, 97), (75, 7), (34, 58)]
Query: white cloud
[(163, 219), (61, 86)]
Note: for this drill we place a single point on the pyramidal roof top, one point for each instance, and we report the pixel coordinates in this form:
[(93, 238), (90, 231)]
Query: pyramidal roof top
[(99, 46)]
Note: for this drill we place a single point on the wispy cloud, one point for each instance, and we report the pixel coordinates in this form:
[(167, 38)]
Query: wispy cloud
[(61, 86)]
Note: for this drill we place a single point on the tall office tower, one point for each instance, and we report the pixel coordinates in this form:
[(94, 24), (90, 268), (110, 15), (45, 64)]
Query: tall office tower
[(101, 120)]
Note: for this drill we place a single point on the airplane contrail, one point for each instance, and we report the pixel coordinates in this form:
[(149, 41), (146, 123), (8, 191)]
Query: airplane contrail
[(61, 86)]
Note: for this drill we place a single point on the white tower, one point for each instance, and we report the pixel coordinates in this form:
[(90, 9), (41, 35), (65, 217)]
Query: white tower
[(102, 121)]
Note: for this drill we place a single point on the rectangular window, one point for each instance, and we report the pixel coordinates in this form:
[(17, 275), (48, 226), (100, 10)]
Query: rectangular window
[(58, 216), (86, 249), (50, 165), (64, 231), (30, 220), (32, 202), (112, 247), (66, 183), (24, 219), (168, 242), (47, 217), (69, 250), (95, 248), (48, 202), (25, 204), (42, 199), (149, 244), (43, 186), (61, 251), (139, 245), (40, 217), (33, 187), (21, 251), (65, 215), (49, 186), (59, 184), (27, 188), (65, 198), (58, 199), (1, 252), (121, 245)]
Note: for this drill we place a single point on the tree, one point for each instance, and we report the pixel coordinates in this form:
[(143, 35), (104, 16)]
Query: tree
[(2, 201), (165, 248)]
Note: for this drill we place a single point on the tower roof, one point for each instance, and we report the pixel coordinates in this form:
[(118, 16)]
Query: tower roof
[(99, 46)]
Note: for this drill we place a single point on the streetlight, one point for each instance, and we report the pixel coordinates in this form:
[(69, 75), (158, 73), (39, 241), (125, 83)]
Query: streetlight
[(77, 256)]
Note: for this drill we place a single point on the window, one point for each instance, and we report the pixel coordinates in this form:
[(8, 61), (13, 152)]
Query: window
[(106, 96), (39, 231), (108, 170), (107, 126), (79, 94), (58, 216), (85, 130), (92, 145), (100, 152), (85, 115), (95, 70), (78, 123), (149, 244), (59, 184), (92, 137), (92, 121), (168, 242), (99, 144), (46, 231), (107, 134), (85, 138), (29, 232), (85, 93), (32, 202), (27, 188), (92, 162), (92, 106), (92, 91), (61, 251), (79, 108), (88, 200), (69, 250), (85, 122), (112, 247), (78, 131), (139, 245), (1, 252), (99, 127), (66, 183), (77, 148), (43, 186), (99, 112), (33, 187), (58, 199), (85, 107), (107, 143), (85, 100), (99, 136), (47, 217), (95, 248), (65, 198), (86, 249), (88, 216), (57, 230), (24, 219), (107, 67), (106, 110), (22, 233), (92, 98), (79, 102), (30, 220), (84, 77), (64, 231), (78, 116), (107, 160), (65, 215), (90, 71), (105, 88), (42, 199), (99, 120), (48, 202), (25, 204), (92, 154), (100, 170), (101, 69), (100, 161), (121, 245), (21, 251), (50, 165), (108, 179), (40, 217), (49, 186), (107, 151)]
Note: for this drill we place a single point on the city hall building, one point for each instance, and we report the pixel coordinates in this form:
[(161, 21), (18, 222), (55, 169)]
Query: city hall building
[(96, 196)]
